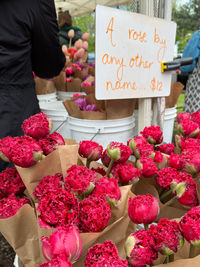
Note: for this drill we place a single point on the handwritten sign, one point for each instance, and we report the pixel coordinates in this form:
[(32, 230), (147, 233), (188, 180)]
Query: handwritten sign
[(129, 50)]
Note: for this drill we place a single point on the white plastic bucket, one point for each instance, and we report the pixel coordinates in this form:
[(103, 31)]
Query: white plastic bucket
[(67, 95), (168, 127), (59, 116), (47, 97), (102, 131)]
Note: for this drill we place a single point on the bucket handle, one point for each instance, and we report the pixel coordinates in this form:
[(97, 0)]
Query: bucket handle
[(61, 125), (98, 131)]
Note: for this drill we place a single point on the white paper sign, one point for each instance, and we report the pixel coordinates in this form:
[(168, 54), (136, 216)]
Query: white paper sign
[(129, 50)]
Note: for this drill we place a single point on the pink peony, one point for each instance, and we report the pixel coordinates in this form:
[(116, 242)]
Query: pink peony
[(59, 261), (11, 182), (37, 126), (90, 150), (10, 205), (80, 180), (105, 254), (48, 184), (109, 188), (58, 208), (51, 143), (167, 237), (126, 173), (118, 152), (147, 166), (94, 214), (176, 161), (138, 250), (143, 209), (166, 148), (182, 116), (190, 226), (165, 177), (64, 241), (188, 128), (153, 134)]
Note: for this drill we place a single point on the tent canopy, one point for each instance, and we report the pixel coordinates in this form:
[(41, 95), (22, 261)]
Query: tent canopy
[(81, 7)]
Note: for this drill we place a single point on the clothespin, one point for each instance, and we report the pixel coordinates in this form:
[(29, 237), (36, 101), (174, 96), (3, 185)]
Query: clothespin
[(175, 64)]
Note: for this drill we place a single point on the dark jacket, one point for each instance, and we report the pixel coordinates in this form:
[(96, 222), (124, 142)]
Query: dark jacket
[(28, 41), (64, 38)]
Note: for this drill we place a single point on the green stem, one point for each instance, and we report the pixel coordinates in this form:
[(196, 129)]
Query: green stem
[(109, 168), (88, 163), (171, 258), (192, 251), (166, 260), (170, 201), (146, 227), (166, 194), (70, 42)]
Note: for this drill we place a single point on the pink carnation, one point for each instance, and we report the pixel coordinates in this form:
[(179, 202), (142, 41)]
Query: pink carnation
[(109, 188), (90, 150), (59, 261), (126, 173), (51, 143), (167, 237), (188, 128), (165, 177), (176, 161), (147, 166), (58, 208), (37, 126), (94, 214), (153, 134), (48, 184), (166, 148), (138, 250), (10, 205), (183, 116), (80, 180), (11, 182)]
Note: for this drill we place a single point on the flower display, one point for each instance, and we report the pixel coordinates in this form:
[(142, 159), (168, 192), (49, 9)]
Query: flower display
[(94, 214), (59, 261), (153, 134), (51, 143), (126, 173), (109, 188), (188, 128), (10, 205), (190, 226), (105, 253), (147, 166), (58, 208), (90, 150), (48, 184), (176, 161), (166, 148), (167, 237), (118, 152), (165, 177), (80, 180), (37, 126), (65, 241), (183, 116), (11, 182), (143, 209), (138, 250)]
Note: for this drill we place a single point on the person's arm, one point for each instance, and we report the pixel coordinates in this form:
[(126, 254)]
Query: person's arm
[(47, 56)]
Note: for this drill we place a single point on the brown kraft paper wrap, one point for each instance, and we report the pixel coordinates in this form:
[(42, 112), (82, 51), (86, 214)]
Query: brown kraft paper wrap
[(91, 71), (21, 232), (80, 73), (88, 89), (60, 81), (176, 89), (43, 86), (74, 85), (118, 229), (118, 109)]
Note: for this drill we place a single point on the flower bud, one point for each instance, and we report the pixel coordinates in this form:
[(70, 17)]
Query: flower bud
[(188, 128), (90, 150), (78, 44), (85, 45), (71, 34), (85, 36), (153, 134)]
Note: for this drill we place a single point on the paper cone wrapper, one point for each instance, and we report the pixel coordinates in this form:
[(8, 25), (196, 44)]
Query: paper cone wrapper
[(74, 85), (91, 71), (118, 109), (176, 89), (21, 232), (88, 89), (80, 73), (60, 81)]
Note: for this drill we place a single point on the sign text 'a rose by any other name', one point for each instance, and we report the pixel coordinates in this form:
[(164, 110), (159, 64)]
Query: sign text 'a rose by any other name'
[(129, 50)]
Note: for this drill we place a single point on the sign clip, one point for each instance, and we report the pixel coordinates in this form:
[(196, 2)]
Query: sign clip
[(175, 64)]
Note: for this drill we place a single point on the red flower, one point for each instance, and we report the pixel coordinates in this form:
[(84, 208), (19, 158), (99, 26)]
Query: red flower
[(111, 263), (158, 157), (99, 171), (190, 144), (196, 117), (51, 143), (59, 261), (109, 188), (140, 147), (105, 159), (69, 71), (94, 214), (167, 237), (190, 226), (166, 148), (37, 126), (176, 161), (138, 249), (10, 205), (137, 140), (48, 184), (58, 208), (72, 52), (90, 150), (80, 180), (183, 116), (165, 177), (5, 148), (11, 182), (188, 128), (143, 209), (147, 166), (191, 161), (126, 173), (153, 134), (100, 253), (118, 152)]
